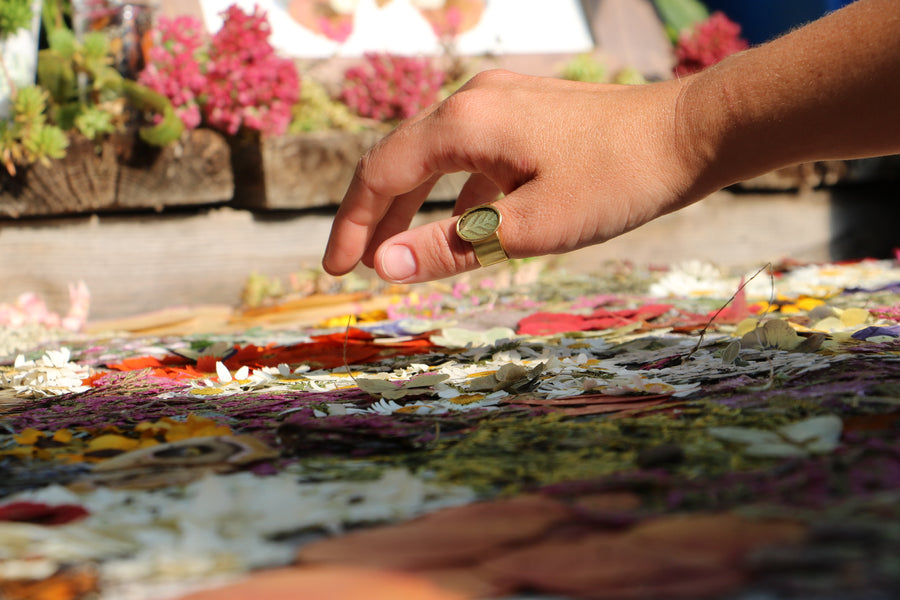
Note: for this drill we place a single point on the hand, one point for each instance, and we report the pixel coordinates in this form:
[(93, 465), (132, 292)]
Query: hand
[(577, 164)]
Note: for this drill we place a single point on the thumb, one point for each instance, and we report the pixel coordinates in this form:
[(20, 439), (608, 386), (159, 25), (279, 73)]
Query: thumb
[(434, 251)]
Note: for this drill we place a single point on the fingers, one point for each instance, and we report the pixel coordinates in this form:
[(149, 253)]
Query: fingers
[(396, 174), (390, 183), (434, 251), (398, 217), (477, 189)]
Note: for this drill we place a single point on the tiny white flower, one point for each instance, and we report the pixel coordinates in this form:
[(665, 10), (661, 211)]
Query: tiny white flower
[(223, 372)]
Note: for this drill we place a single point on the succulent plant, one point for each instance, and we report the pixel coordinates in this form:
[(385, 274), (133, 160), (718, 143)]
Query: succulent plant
[(231, 81), (707, 43), (390, 87)]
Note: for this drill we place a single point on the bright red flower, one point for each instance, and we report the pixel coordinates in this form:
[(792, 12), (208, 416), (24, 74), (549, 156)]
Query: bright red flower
[(708, 43)]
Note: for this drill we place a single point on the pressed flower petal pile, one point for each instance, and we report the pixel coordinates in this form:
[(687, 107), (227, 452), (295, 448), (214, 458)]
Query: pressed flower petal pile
[(673, 433)]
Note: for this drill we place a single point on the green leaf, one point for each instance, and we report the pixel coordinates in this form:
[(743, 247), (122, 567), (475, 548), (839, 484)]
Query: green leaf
[(51, 142), (14, 15), (29, 105), (56, 75), (732, 352), (584, 67), (92, 122), (679, 15), (96, 47), (63, 41), (143, 98)]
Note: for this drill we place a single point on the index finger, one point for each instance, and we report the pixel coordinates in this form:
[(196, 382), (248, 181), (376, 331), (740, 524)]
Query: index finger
[(398, 164)]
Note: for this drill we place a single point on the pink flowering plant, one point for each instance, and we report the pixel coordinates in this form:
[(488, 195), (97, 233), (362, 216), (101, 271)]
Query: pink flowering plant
[(232, 81), (707, 43), (390, 87)]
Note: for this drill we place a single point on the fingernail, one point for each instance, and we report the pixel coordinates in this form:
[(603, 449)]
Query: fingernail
[(398, 263)]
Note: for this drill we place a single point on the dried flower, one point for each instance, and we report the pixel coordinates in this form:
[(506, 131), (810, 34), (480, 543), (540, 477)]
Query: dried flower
[(30, 308), (707, 43)]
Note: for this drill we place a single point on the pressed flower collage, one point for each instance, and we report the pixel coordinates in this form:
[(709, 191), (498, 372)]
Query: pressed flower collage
[(667, 433)]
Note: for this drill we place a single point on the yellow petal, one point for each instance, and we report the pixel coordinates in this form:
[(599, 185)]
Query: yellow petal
[(111, 442), (63, 436), (808, 304), (828, 324), (746, 326), (851, 317), (29, 436)]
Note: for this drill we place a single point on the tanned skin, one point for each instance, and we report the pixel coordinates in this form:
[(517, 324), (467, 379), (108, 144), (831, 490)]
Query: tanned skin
[(580, 163)]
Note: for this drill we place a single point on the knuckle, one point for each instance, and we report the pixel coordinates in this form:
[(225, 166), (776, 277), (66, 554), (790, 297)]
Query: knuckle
[(479, 92), (367, 171), (492, 77), (364, 166)]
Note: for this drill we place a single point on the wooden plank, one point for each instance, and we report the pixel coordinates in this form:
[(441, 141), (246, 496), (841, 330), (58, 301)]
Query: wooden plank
[(307, 170), (134, 263), (122, 173), (296, 171)]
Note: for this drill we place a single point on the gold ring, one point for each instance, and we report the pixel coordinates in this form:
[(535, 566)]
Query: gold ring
[(480, 226)]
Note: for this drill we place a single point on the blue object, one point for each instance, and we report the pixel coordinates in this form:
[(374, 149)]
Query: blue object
[(891, 331), (763, 20)]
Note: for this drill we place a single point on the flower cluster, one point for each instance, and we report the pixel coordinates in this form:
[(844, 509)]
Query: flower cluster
[(247, 83), (174, 66), (233, 80), (708, 43), (391, 87)]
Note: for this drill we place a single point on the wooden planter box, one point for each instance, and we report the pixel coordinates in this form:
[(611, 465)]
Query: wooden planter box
[(122, 173), (307, 170)]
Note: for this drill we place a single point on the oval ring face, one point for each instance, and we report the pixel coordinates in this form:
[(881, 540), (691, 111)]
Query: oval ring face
[(478, 223)]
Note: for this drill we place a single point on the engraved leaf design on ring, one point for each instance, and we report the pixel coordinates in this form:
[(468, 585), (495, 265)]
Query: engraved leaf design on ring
[(481, 223)]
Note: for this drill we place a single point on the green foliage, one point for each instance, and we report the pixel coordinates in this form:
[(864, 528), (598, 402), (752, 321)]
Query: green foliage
[(629, 76), (101, 108), (14, 15), (584, 67), (46, 142), (92, 122), (62, 40), (28, 138), (316, 111), (169, 128), (678, 15)]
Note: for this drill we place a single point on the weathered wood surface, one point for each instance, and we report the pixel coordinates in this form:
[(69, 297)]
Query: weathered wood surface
[(122, 173), (307, 170), (296, 171)]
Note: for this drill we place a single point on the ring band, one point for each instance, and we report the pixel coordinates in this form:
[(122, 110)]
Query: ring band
[(480, 226)]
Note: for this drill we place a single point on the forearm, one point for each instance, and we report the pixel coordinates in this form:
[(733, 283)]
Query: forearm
[(829, 90)]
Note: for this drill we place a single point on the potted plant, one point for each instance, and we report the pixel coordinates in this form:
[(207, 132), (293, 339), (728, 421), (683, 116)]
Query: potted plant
[(116, 144)]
